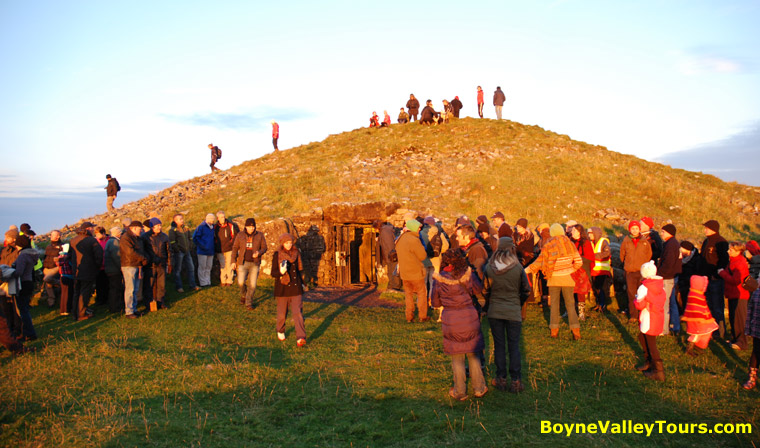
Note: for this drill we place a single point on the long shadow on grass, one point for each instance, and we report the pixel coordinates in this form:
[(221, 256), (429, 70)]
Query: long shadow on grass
[(624, 332), (351, 299)]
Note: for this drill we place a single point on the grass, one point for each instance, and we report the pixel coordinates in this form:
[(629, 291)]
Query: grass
[(208, 373)]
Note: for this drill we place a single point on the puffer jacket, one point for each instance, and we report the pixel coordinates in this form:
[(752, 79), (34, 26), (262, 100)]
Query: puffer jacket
[(738, 269), (460, 319)]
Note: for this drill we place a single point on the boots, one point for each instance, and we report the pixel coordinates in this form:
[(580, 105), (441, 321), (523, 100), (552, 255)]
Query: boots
[(750, 384), (657, 373), (693, 351), (645, 366), (576, 333), (554, 332)]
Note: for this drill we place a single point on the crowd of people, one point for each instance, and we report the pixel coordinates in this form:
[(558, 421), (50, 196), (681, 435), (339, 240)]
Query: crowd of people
[(484, 267), (428, 115), (489, 268)]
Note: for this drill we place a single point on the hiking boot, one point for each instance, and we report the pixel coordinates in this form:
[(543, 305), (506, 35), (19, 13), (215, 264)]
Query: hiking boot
[(657, 373), (516, 387), (576, 334), (180, 290), (750, 384), (643, 367), (499, 383), (554, 332)]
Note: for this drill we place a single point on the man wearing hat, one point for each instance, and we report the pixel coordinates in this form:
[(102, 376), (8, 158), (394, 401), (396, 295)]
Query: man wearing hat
[(411, 255), (111, 190), (502, 228), (714, 253), (133, 258), (668, 267), (634, 251), (86, 259), (162, 262), (247, 250)]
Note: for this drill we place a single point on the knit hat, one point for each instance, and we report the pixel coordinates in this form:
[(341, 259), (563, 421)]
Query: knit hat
[(571, 223), (753, 247), (413, 225), (154, 222), (463, 221), (712, 225), (648, 221), (498, 215), (482, 219), (135, 223), (484, 228), (670, 228), (633, 224), (505, 230), (147, 223), (250, 222), (522, 222), (648, 269), (556, 230), (23, 242), (506, 243), (687, 245), (429, 221)]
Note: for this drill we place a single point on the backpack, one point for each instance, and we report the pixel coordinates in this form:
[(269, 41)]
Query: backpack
[(118, 187), (218, 152)]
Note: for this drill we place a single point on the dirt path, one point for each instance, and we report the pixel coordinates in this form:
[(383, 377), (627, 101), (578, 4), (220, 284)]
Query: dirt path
[(365, 296)]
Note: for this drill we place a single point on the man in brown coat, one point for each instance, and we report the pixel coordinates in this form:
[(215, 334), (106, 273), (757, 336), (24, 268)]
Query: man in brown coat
[(634, 251), (411, 253)]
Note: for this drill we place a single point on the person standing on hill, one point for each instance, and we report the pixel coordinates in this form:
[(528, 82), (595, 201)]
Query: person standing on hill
[(247, 250), (634, 252), (411, 254), (668, 267), (275, 134), (132, 257), (224, 238), (50, 269), (216, 154), (86, 260), (162, 262), (287, 272), (498, 101), (714, 253), (204, 246), (181, 245), (456, 106), (480, 102), (648, 232), (414, 106), (601, 272), (737, 271), (112, 189)]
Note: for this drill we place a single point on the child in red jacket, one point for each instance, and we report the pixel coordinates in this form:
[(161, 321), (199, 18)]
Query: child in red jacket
[(650, 301), (738, 270)]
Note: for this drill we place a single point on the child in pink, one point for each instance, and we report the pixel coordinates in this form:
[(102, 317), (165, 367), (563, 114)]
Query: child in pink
[(699, 322), (650, 301)]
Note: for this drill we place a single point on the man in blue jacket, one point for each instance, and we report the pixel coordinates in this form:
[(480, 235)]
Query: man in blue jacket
[(204, 244)]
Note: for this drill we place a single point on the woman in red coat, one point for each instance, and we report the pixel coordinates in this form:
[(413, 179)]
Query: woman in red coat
[(480, 102), (738, 270), (582, 284)]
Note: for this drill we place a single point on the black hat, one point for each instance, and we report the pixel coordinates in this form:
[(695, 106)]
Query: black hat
[(25, 227), (23, 241), (250, 222), (135, 223), (687, 245), (108, 176), (670, 228)]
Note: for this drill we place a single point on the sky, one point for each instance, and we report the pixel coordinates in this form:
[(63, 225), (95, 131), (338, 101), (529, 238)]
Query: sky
[(139, 89)]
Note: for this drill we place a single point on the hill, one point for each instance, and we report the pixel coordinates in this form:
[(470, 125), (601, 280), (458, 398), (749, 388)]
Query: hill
[(467, 167)]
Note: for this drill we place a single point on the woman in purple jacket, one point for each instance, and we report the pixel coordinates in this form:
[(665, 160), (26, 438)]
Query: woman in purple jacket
[(453, 289)]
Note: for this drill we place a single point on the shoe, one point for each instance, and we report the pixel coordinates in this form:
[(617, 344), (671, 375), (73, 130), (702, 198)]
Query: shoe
[(197, 288), (132, 316), (735, 347), (85, 317), (453, 394), (63, 314), (657, 373), (516, 387), (752, 381), (242, 300), (554, 332), (581, 313), (499, 383), (163, 306), (623, 312), (576, 334), (180, 290), (633, 320), (480, 394), (300, 342), (409, 321), (249, 308), (643, 367), (281, 336), (424, 319)]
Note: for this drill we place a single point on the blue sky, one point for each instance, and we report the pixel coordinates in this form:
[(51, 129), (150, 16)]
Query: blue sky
[(138, 89)]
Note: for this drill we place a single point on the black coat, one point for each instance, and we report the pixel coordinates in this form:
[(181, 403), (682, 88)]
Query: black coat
[(428, 113), (456, 105), (413, 106), (295, 286), (132, 251), (86, 258), (113, 187)]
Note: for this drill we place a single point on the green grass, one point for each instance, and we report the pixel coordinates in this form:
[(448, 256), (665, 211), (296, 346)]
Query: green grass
[(208, 373)]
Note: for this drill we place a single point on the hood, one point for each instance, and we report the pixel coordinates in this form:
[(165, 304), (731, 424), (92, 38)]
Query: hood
[(699, 283), (597, 232), (500, 268), (445, 277)]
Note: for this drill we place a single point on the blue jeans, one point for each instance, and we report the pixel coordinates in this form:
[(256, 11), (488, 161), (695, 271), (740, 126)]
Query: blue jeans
[(512, 329), (131, 285), (248, 271), (183, 262), (22, 302), (675, 319)]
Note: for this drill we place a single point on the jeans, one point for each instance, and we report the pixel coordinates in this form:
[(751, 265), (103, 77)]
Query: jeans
[(668, 286), (498, 112), (601, 286), (675, 317), (248, 271), (476, 374), (183, 262), (717, 304), (22, 302), (572, 316), (512, 329), (225, 267), (205, 262), (632, 283), (131, 285), (412, 287)]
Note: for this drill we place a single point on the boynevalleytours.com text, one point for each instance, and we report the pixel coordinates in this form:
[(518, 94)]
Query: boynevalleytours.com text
[(629, 427)]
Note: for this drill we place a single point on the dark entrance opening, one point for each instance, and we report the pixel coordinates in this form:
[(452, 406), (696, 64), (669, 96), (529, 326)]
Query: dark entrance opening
[(354, 254)]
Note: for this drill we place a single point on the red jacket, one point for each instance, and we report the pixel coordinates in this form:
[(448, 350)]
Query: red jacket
[(480, 97), (737, 270), (652, 306), (275, 130)]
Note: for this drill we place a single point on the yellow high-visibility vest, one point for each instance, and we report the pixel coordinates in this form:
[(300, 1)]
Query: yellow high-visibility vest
[(601, 265)]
